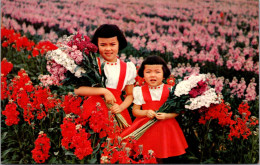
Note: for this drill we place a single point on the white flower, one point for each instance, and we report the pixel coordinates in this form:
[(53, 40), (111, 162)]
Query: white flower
[(79, 71), (184, 87), (204, 100), (60, 57)]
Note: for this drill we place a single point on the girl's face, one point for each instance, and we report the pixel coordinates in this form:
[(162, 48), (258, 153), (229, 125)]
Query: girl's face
[(153, 75), (108, 48)]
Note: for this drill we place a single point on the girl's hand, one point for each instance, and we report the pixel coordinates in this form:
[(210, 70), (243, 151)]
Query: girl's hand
[(161, 116), (109, 97), (116, 108), (150, 114)]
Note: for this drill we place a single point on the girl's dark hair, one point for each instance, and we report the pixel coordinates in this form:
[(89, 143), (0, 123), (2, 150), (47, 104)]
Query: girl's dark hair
[(155, 60), (108, 31)]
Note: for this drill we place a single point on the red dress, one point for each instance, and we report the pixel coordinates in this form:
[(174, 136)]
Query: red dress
[(165, 137), (92, 100)]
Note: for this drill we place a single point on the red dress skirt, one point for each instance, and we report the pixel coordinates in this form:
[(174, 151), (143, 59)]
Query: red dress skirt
[(165, 137), (124, 113)]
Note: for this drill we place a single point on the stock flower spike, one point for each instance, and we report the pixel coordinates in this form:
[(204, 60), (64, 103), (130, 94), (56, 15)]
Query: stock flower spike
[(81, 143), (11, 114), (4, 90), (98, 119), (42, 47), (6, 67), (71, 104), (68, 130), (42, 146)]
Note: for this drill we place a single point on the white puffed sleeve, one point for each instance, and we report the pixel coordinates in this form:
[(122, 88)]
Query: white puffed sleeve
[(130, 73), (138, 96)]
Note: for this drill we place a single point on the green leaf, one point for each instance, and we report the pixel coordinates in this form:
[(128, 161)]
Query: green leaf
[(192, 158), (50, 129), (188, 103), (6, 152), (93, 161), (14, 157), (21, 161), (53, 160), (5, 161), (69, 153), (90, 131), (4, 136), (96, 148)]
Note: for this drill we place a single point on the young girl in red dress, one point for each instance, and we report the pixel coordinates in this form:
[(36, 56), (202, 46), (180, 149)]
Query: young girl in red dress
[(165, 137), (120, 75)]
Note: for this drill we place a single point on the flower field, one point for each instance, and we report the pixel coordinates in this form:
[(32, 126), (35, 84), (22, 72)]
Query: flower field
[(43, 123)]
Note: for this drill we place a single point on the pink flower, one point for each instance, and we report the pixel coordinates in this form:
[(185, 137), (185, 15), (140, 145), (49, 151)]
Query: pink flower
[(237, 65), (251, 91), (219, 85)]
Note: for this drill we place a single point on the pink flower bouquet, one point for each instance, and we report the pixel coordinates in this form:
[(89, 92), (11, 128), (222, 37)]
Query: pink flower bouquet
[(73, 63)]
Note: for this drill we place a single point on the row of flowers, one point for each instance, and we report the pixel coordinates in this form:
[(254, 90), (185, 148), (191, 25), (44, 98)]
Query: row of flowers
[(12, 39), (223, 37)]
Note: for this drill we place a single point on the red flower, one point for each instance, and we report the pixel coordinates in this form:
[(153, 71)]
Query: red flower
[(43, 47), (139, 81), (82, 144), (4, 91), (11, 114), (221, 15), (18, 82), (6, 67), (35, 53), (83, 44), (4, 44), (15, 39), (220, 112), (239, 129), (171, 81), (42, 146), (243, 109), (71, 104), (28, 113), (98, 120), (68, 130), (199, 89)]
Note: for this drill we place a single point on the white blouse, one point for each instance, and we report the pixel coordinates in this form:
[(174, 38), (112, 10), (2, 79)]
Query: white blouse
[(155, 94), (112, 72)]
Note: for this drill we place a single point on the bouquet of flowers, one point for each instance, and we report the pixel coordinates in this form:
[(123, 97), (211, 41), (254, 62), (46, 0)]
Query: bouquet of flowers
[(190, 94), (75, 63)]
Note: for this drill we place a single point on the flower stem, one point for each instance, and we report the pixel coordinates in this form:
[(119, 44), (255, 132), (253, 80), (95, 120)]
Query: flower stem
[(140, 131)]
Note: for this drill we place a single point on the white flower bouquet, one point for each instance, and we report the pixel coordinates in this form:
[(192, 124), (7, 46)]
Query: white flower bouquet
[(190, 94)]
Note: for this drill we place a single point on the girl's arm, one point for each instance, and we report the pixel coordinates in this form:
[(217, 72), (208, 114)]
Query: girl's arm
[(127, 101), (137, 112), (164, 116), (94, 91)]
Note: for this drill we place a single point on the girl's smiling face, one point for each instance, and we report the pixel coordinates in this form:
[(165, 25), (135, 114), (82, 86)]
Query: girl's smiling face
[(153, 74), (108, 48)]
